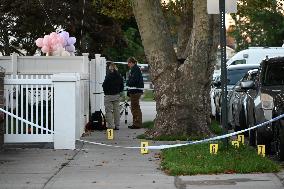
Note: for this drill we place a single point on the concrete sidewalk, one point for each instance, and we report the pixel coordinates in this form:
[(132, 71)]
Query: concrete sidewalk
[(102, 167)]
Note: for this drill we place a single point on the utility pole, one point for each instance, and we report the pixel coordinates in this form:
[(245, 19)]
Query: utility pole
[(223, 69)]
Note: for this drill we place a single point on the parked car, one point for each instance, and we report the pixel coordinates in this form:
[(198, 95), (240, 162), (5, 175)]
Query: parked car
[(234, 74), (265, 101), (215, 79), (254, 55), (237, 103)]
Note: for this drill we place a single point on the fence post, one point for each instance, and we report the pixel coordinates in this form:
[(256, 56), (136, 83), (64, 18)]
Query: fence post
[(85, 63), (103, 75), (2, 128), (94, 82), (14, 63), (64, 110)]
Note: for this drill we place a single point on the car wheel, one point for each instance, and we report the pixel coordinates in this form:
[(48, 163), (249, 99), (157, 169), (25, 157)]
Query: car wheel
[(252, 134), (253, 137), (237, 128), (280, 143), (242, 119)]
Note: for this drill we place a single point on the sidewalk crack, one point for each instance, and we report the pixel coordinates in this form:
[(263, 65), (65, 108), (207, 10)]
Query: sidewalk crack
[(62, 166)]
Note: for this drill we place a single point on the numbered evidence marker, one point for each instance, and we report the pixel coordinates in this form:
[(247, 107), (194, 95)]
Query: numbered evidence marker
[(236, 143), (110, 134), (261, 150), (213, 148), (144, 150), (241, 138)]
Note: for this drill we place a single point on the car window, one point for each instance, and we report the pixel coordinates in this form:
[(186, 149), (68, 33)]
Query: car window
[(245, 77), (252, 77), (273, 74), (238, 62), (234, 76)]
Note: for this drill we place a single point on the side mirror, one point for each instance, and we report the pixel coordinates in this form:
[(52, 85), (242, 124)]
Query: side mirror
[(247, 85)]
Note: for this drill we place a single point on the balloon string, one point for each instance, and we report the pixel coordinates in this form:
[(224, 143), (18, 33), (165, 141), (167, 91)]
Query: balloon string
[(45, 13)]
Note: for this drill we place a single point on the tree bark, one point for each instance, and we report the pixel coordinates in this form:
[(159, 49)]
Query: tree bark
[(185, 28), (181, 91)]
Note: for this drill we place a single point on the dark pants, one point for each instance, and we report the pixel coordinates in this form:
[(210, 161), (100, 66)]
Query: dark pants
[(135, 109)]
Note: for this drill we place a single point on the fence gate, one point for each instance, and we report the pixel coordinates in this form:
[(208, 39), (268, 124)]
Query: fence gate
[(29, 97)]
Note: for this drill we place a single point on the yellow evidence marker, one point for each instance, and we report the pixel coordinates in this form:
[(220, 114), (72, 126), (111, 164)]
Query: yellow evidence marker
[(213, 148), (261, 150), (144, 150), (110, 134), (236, 143), (241, 138)]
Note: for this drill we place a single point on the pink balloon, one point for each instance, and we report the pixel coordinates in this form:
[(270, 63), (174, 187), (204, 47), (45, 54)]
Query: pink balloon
[(39, 42), (45, 49), (53, 35), (46, 40), (71, 41)]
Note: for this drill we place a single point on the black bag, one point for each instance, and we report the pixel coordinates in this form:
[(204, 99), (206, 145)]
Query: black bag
[(98, 121)]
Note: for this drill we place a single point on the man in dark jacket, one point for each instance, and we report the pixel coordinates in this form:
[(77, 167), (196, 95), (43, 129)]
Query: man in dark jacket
[(136, 84), (112, 86)]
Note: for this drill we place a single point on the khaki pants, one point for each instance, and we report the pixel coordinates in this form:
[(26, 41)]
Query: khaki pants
[(112, 111), (135, 109)]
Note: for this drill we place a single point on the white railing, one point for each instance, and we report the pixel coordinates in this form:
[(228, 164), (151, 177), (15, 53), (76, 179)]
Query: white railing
[(29, 97)]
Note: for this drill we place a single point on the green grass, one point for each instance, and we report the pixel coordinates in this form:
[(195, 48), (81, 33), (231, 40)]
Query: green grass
[(148, 95), (148, 124), (196, 159), (216, 128)]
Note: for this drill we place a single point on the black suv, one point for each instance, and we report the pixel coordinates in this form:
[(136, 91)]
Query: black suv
[(266, 101)]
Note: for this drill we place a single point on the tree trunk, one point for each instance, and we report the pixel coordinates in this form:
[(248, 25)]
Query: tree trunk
[(185, 28), (181, 91)]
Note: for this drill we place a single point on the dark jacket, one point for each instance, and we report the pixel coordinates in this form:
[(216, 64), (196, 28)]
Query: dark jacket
[(113, 83), (135, 79)]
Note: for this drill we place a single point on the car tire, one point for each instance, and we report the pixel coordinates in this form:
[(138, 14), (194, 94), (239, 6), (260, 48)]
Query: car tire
[(243, 122), (253, 137), (280, 143), (237, 128), (242, 119)]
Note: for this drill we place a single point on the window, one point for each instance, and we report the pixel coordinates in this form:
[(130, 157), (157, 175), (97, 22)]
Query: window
[(235, 75), (239, 62)]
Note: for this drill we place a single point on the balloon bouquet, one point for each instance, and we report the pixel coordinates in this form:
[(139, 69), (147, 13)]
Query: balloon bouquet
[(57, 44)]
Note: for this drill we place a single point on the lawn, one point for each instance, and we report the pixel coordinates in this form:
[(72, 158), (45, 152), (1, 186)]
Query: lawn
[(196, 159)]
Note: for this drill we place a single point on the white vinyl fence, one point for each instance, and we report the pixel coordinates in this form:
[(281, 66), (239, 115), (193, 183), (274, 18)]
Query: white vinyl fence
[(29, 97), (54, 93)]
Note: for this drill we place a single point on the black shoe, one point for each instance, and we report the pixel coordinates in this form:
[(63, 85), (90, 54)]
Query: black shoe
[(133, 127)]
